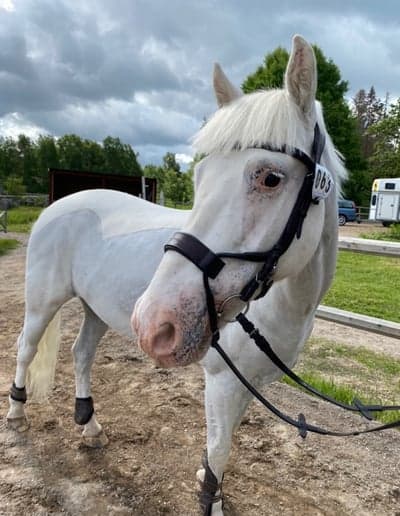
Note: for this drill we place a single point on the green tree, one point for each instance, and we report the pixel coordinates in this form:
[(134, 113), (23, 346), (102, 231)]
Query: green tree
[(28, 160), (93, 156), (270, 74), (178, 187), (385, 160), (368, 110), (47, 157), (170, 163), (120, 158), (10, 162), (157, 173), (70, 152)]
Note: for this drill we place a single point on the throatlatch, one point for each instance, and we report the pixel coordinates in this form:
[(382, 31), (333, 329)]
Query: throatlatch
[(317, 185)]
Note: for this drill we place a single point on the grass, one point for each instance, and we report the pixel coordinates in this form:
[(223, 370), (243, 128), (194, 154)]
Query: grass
[(340, 393), (178, 206), (7, 244), (392, 234), (370, 359), (366, 284), (344, 373), (21, 219)]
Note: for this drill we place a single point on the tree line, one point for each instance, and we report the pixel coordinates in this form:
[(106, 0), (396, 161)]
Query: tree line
[(366, 132), (24, 164)]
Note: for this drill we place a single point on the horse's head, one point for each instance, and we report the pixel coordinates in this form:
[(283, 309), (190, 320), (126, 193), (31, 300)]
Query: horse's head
[(244, 197)]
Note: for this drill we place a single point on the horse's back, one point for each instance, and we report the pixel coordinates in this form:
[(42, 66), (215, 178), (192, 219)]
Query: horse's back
[(118, 213)]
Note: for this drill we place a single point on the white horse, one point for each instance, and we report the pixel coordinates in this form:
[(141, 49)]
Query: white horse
[(104, 247)]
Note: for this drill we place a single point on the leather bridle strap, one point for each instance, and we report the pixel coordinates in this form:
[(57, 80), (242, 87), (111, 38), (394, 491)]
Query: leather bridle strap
[(264, 346), (270, 258), (208, 262), (200, 255), (301, 424), (262, 282)]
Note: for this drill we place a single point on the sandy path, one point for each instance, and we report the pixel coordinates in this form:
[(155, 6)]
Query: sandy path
[(155, 422)]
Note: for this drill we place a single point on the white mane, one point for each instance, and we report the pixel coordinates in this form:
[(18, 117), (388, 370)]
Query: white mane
[(264, 117)]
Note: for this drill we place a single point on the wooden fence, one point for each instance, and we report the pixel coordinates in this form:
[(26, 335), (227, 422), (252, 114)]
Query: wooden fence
[(364, 322), (363, 214)]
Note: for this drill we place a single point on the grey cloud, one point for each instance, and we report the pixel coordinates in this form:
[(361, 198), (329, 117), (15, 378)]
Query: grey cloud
[(141, 69)]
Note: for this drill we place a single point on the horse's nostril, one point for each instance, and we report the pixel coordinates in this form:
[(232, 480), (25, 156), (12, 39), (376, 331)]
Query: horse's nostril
[(164, 340)]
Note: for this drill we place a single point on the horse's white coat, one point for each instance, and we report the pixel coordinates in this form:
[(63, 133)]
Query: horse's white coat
[(104, 247), (118, 213), (227, 218)]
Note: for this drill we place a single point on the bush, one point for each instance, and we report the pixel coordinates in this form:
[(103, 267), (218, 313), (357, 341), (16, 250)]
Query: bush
[(392, 233), (14, 185)]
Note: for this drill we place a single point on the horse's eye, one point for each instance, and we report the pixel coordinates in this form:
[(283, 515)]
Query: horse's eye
[(272, 180)]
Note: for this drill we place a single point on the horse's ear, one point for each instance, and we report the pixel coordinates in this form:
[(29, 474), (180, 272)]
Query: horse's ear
[(225, 91), (301, 75)]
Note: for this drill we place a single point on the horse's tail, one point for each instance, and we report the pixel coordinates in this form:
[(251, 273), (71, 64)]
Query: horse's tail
[(40, 377)]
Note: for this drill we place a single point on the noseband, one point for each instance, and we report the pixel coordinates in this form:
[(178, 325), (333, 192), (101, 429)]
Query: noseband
[(317, 185)]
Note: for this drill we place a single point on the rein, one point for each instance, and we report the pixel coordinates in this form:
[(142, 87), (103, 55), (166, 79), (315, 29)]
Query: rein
[(316, 185)]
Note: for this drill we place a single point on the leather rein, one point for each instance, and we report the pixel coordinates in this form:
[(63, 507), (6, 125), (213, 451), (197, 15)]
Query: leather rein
[(317, 185)]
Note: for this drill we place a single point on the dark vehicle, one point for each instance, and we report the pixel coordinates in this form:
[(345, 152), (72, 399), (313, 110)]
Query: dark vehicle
[(347, 211)]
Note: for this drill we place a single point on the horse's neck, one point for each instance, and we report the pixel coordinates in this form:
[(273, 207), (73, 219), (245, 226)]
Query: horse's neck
[(287, 312)]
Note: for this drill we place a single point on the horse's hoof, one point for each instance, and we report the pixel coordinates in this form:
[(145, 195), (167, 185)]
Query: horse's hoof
[(19, 424), (96, 441), (217, 509), (217, 506)]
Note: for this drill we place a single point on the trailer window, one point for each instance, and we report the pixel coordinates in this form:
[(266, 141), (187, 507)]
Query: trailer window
[(373, 200), (390, 186)]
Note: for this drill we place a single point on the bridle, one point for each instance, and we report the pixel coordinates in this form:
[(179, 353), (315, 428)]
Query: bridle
[(317, 185), (211, 263)]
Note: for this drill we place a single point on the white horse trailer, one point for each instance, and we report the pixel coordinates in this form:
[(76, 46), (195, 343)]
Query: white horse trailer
[(385, 200)]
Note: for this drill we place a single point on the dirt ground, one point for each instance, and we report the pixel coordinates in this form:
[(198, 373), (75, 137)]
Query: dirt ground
[(155, 422)]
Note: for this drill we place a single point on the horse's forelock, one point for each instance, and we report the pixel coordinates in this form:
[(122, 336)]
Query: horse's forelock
[(265, 117)]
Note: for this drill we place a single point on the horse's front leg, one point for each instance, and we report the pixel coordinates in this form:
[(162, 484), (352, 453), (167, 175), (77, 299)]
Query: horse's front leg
[(84, 349), (226, 401)]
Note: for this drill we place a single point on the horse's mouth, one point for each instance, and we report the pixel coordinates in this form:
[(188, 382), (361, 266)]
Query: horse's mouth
[(183, 356)]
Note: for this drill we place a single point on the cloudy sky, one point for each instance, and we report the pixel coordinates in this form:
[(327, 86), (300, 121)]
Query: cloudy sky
[(141, 69)]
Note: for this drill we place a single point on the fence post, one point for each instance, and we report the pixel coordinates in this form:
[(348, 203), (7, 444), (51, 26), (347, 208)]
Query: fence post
[(3, 221)]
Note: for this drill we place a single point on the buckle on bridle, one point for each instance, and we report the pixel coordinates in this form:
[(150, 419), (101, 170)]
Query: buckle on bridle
[(222, 306)]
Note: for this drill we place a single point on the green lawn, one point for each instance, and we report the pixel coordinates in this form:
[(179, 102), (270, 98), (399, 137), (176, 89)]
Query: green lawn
[(21, 219), (344, 373), (7, 244), (367, 285)]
